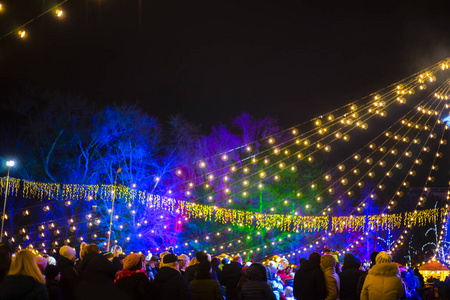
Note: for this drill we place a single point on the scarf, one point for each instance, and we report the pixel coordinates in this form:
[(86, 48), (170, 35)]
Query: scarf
[(126, 273)]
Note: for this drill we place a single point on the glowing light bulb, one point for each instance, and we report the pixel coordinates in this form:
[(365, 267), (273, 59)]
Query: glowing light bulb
[(22, 34), (59, 13)]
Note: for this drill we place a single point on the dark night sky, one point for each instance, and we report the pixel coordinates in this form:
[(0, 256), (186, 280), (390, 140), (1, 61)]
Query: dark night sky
[(211, 60)]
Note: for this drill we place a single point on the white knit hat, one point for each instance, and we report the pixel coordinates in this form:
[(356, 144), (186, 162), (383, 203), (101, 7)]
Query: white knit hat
[(68, 252), (383, 257)]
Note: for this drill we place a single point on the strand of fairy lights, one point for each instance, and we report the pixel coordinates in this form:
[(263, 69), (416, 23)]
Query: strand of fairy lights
[(203, 164), (21, 29)]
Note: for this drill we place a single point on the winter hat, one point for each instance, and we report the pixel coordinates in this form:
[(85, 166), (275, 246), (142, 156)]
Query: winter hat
[(257, 272), (201, 256), (68, 252), (132, 260), (383, 257), (51, 272), (315, 257), (327, 261), (170, 258)]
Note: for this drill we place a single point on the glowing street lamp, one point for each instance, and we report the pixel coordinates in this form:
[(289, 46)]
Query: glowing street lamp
[(9, 164)]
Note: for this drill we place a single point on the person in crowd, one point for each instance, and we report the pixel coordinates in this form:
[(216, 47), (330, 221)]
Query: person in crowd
[(24, 280), (225, 261), (132, 279), (289, 281), (169, 283), (349, 277), (383, 281), (289, 293), (204, 287), (153, 267), (200, 256), (96, 275), (257, 288), (281, 272), (215, 265), (66, 263), (184, 262), (231, 274), (5, 262), (421, 283), (274, 280), (42, 263), (362, 278), (78, 261), (52, 279), (328, 266), (309, 280)]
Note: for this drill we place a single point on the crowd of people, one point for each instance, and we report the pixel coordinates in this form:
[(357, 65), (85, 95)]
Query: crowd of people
[(28, 275)]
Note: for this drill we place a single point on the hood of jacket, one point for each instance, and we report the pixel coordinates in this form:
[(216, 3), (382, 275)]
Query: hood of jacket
[(351, 262), (327, 263), (309, 265), (64, 262), (384, 269), (19, 286), (257, 272)]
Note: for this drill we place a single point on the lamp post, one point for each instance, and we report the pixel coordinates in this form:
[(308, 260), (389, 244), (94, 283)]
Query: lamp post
[(112, 209), (9, 164)]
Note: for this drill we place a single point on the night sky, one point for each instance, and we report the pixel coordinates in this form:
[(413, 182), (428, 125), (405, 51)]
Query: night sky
[(211, 60)]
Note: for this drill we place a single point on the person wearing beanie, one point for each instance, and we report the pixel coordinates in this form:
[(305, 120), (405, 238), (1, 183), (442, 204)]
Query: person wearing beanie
[(383, 281), (328, 266), (204, 286), (66, 263), (133, 280), (257, 287), (309, 280), (169, 283), (52, 277), (349, 278)]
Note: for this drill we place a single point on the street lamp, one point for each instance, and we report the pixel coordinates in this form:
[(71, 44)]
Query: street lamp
[(9, 164), (112, 209)]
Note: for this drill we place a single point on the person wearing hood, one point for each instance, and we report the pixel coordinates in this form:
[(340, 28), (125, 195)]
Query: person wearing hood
[(66, 263), (133, 280), (192, 269), (24, 280), (309, 280), (231, 274), (52, 278), (257, 288), (328, 266), (349, 277), (169, 283), (204, 287), (383, 281)]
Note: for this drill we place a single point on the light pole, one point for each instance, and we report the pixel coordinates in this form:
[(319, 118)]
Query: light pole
[(9, 164), (112, 209)]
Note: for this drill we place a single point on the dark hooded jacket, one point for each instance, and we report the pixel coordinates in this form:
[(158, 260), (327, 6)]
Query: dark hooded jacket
[(257, 288), (170, 284), (137, 286), (97, 268), (68, 277), (21, 287), (231, 273), (309, 281), (349, 278), (54, 289)]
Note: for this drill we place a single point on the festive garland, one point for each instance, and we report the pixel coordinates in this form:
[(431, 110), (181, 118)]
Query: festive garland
[(286, 223)]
